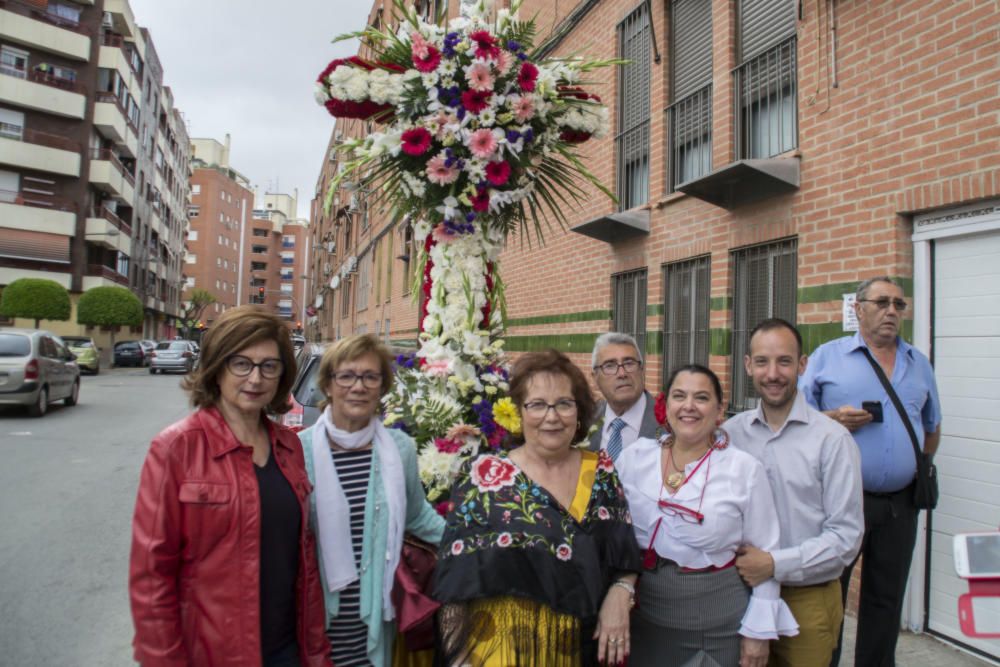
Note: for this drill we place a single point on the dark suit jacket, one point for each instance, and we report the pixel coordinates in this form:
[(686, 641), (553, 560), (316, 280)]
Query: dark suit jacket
[(646, 430)]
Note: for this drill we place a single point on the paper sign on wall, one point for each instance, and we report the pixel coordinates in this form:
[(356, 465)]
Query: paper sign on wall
[(850, 317)]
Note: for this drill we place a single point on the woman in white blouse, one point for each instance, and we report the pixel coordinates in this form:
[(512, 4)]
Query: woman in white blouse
[(694, 502)]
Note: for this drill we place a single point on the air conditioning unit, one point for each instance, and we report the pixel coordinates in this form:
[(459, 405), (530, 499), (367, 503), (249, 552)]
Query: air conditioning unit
[(107, 21)]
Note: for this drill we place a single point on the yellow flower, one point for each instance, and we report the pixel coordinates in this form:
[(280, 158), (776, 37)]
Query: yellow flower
[(505, 414)]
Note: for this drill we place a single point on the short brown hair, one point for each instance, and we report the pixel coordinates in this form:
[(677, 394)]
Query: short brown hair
[(555, 363), (349, 349), (237, 329)]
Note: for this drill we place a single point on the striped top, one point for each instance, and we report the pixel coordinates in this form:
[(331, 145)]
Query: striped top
[(347, 632)]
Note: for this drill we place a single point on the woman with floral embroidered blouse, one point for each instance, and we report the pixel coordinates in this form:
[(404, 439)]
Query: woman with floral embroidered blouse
[(538, 561), (695, 501)]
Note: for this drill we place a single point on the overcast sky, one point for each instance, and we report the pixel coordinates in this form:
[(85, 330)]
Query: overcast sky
[(247, 68)]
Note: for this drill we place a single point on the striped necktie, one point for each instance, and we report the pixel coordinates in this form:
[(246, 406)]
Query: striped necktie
[(615, 440)]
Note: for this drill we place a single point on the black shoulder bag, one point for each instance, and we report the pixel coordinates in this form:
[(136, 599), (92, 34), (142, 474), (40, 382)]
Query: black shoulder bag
[(925, 486)]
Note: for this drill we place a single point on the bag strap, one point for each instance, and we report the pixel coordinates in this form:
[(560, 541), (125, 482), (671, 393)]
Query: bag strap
[(895, 400)]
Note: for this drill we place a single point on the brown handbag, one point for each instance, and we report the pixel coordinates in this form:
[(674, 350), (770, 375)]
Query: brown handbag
[(414, 607)]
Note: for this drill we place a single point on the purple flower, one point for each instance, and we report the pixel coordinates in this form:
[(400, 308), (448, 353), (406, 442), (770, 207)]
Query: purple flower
[(529, 135), (513, 45), (450, 41), (513, 136)]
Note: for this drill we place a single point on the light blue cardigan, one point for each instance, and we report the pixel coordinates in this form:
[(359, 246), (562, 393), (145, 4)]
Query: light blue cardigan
[(421, 520)]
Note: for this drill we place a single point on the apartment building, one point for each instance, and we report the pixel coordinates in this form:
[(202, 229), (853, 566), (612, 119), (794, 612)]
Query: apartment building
[(276, 251), (83, 115), (219, 213), (766, 156)]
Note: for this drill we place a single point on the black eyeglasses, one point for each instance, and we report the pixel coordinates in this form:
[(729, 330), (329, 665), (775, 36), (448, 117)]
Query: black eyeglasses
[(884, 303), (346, 379), (538, 409), (611, 367), (241, 366)]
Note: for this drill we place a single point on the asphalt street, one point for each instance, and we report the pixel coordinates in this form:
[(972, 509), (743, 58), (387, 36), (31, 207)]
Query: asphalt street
[(67, 489)]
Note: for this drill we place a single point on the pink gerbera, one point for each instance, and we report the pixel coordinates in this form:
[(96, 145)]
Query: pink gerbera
[(523, 108), (416, 141), (475, 101), (482, 143), (439, 172), (527, 76), (481, 202), (503, 61), (479, 76), (497, 173), (429, 62)]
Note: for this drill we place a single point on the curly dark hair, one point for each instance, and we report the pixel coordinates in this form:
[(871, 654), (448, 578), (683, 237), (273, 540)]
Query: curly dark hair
[(555, 363)]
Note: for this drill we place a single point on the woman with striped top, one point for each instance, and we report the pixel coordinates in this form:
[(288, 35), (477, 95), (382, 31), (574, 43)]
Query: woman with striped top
[(367, 494)]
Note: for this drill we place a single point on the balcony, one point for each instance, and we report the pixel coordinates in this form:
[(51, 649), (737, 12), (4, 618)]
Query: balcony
[(39, 151), (20, 210), (114, 57), (128, 49), (112, 121), (103, 273), (110, 175), (110, 231), (122, 19), (45, 31), (42, 92)]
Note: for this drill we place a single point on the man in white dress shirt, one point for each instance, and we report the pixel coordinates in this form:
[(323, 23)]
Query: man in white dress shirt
[(626, 413), (814, 470)]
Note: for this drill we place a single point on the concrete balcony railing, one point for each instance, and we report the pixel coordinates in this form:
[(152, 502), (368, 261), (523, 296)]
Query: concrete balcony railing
[(112, 120), (40, 91), (106, 272), (54, 215), (109, 174), (39, 151), (27, 23)]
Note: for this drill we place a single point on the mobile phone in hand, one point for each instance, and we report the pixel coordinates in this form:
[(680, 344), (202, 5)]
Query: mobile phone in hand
[(874, 408)]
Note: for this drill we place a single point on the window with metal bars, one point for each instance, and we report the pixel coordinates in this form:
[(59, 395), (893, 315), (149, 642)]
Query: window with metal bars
[(686, 306), (764, 285), (628, 310), (690, 114), (765, 82), (632, 139)]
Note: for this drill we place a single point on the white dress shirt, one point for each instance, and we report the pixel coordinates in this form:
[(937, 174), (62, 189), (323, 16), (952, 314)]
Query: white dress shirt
[(814, 470), (738, 509), (633, 422)]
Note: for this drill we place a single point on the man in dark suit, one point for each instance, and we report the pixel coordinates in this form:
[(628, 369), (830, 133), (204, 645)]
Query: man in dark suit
[(626, 413)]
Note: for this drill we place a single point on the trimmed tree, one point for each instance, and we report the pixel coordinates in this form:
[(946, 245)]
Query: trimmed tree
[(37, 299), (111, 307), (195, 306)]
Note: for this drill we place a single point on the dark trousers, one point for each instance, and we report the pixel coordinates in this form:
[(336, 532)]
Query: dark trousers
[(887, 548)]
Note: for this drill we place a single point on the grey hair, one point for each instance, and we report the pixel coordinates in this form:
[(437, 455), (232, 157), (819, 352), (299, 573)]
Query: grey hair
[(613, 338), (862, 291)]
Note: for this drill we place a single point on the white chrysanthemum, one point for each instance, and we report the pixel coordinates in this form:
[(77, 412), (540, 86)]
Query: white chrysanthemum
[(320, 94), (357, 88), (436, 468)]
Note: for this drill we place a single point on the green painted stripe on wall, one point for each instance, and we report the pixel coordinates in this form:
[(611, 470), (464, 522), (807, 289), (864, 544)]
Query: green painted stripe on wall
[(584, 316), (654, 343), (814, 335), (718, 342), (654, 310), (836, 291), (581, 343), (719, 303)]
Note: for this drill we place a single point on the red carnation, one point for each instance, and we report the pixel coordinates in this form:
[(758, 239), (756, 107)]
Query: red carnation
[(429, 62), (527, 76), (481, 202), (497, 173), (475, 101), (660, 409), (486, 44), (416, 141)]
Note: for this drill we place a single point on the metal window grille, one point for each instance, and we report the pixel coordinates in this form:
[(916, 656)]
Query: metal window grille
[(690, 136), (764, 285), (629, 307), (766, 108), (632, 140), (686, 288)]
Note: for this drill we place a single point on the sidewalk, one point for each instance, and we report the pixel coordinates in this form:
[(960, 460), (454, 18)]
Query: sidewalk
[(914, 650)]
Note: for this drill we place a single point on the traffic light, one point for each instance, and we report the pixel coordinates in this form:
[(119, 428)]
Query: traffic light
[(298, 325), (260, 293)]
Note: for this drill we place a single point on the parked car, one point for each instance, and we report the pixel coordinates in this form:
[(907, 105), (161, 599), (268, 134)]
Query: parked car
[(298, 342), (305, 394), (129, 353), (88, 355), (147, 348), (173, 355), (36, 368)]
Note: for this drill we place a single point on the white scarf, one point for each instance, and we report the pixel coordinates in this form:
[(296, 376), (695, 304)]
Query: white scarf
[(333, 514)]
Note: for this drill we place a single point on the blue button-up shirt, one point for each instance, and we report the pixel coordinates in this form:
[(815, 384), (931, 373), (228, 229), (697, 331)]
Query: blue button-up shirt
[(839, 374)]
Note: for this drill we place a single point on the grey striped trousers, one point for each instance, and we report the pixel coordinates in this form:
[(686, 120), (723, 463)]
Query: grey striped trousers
[(688, 619)]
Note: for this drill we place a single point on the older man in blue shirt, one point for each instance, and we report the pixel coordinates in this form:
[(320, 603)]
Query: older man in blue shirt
[(838, 379)]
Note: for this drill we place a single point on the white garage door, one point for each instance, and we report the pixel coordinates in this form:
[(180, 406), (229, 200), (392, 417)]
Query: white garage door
[(967, 367)]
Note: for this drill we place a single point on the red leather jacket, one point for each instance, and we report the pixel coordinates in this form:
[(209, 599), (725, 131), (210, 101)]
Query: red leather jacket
[(194, 570)]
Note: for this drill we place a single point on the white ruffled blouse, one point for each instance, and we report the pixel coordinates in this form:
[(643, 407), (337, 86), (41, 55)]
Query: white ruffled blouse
[(738, 509)]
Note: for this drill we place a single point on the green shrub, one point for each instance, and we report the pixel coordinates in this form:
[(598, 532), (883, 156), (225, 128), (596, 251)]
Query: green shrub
[(109, 307), (35, 298)]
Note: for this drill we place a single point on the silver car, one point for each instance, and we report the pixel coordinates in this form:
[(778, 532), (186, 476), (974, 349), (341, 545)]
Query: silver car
[(173, 355), (36, 369)]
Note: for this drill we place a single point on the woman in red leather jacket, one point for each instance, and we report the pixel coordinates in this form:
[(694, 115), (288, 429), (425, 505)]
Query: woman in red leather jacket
[(223, 565)]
